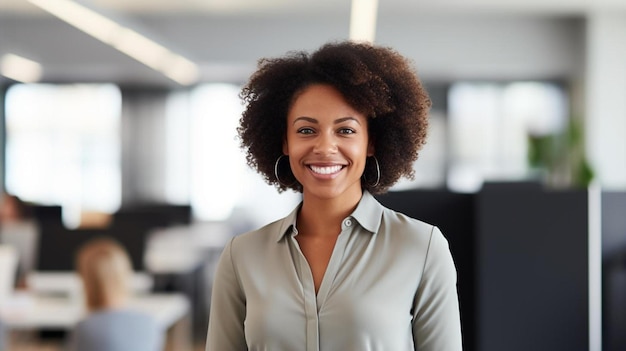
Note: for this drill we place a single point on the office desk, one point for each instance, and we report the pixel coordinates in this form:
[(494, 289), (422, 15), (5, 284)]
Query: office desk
[(61, 312), (69, 283), (28, 311)]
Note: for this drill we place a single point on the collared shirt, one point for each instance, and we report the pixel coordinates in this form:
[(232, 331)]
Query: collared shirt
[(390, 285)]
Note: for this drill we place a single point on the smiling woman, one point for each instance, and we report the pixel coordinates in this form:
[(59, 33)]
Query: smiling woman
[(341, 272)]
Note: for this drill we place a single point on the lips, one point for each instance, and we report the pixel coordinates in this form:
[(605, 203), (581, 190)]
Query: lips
[(325, 169)]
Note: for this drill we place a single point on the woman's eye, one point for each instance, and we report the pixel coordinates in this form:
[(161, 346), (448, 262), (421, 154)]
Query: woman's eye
[(347, 131), (305, 131)]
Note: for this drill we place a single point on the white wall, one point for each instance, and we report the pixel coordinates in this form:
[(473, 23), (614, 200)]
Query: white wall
[(606, 97)]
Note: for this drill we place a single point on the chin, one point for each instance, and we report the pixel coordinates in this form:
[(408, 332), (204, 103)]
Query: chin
[(330, 193)]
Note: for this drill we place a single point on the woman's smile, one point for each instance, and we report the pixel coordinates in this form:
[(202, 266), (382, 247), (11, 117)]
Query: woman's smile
[(326, 170)]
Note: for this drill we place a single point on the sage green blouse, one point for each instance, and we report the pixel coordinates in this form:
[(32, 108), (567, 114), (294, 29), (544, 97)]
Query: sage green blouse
[(390, 285)]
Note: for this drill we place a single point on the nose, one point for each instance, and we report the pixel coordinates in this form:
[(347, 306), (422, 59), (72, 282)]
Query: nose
[(325, 144)]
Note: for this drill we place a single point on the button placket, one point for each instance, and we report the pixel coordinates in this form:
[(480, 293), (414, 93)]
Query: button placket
[(334, 264), (309, 299)]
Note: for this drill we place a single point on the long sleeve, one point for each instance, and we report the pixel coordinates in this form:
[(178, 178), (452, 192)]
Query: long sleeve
[(436, 324), (228, 307)]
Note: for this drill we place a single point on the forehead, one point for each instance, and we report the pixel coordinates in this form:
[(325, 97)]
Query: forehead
[(321, 101)]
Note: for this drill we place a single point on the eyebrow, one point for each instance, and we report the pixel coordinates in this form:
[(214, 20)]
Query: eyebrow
[(337, 121)]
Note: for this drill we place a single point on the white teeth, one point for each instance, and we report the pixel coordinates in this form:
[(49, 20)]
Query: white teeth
[(326, 170)]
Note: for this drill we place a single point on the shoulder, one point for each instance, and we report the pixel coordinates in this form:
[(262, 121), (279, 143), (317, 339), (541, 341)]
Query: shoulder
[(400, 224), (136, 316), (121, 329), (410, 231), (258, 238), (262, 233), (245, 252), (419, 240), (117, 317), (267, 232)]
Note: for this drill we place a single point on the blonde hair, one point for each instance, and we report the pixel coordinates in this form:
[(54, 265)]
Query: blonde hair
[(105, 269)]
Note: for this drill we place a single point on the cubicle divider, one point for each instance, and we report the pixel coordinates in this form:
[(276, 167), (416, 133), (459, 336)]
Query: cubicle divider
[(130, 226), (532, 269)]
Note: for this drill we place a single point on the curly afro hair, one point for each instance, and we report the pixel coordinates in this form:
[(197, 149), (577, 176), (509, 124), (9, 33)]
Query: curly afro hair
[(376, 81)]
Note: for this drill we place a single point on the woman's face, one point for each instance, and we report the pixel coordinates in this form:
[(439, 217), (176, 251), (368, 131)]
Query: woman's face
[(327, 143)]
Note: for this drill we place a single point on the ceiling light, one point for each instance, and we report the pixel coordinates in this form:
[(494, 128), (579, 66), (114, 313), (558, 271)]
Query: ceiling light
[(363, 20), (124, 39), (20, 69)]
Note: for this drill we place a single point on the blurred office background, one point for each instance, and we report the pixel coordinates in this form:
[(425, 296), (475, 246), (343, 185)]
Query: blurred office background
[(524, 169)]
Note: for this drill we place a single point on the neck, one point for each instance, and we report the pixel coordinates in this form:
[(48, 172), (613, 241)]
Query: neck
[(323, 217), (112, 303)]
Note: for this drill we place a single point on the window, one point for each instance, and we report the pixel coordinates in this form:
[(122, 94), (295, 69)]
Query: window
[(490, 125), (63, 146)]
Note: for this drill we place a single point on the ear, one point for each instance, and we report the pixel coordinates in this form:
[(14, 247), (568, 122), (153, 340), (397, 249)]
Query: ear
[(285, 147), (370, 148)]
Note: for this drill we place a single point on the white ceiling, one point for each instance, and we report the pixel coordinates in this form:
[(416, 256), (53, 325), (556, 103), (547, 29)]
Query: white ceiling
[(184, 6), (226, 37), (235, 7)]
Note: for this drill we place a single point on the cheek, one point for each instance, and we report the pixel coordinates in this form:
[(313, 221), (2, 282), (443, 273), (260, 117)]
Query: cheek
[(360, 150), (288, 144), (292, 148)]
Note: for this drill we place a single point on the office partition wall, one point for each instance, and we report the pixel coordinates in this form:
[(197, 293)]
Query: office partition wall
[(532, 269)]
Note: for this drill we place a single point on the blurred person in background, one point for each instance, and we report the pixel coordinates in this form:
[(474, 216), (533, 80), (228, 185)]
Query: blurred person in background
[(105, 270), (341, 272), (19, 229)]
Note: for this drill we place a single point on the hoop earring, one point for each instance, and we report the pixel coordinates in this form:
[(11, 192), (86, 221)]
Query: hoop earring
[(377, 173), (276, 172)]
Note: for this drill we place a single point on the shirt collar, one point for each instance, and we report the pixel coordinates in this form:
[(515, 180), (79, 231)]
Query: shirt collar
[(288, 224), (368, 213)]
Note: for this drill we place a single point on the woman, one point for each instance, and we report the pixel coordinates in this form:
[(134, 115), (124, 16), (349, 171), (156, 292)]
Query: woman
[(105, 269), (341, 272)]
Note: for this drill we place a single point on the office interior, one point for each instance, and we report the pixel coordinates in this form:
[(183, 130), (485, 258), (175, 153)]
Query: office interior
[(524, 168)]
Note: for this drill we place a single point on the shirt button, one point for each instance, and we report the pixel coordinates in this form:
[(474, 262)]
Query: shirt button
[(348, 222)]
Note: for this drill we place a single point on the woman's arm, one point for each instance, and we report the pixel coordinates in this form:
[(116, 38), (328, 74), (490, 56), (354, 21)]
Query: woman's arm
[(228, 307), (436, 319)]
